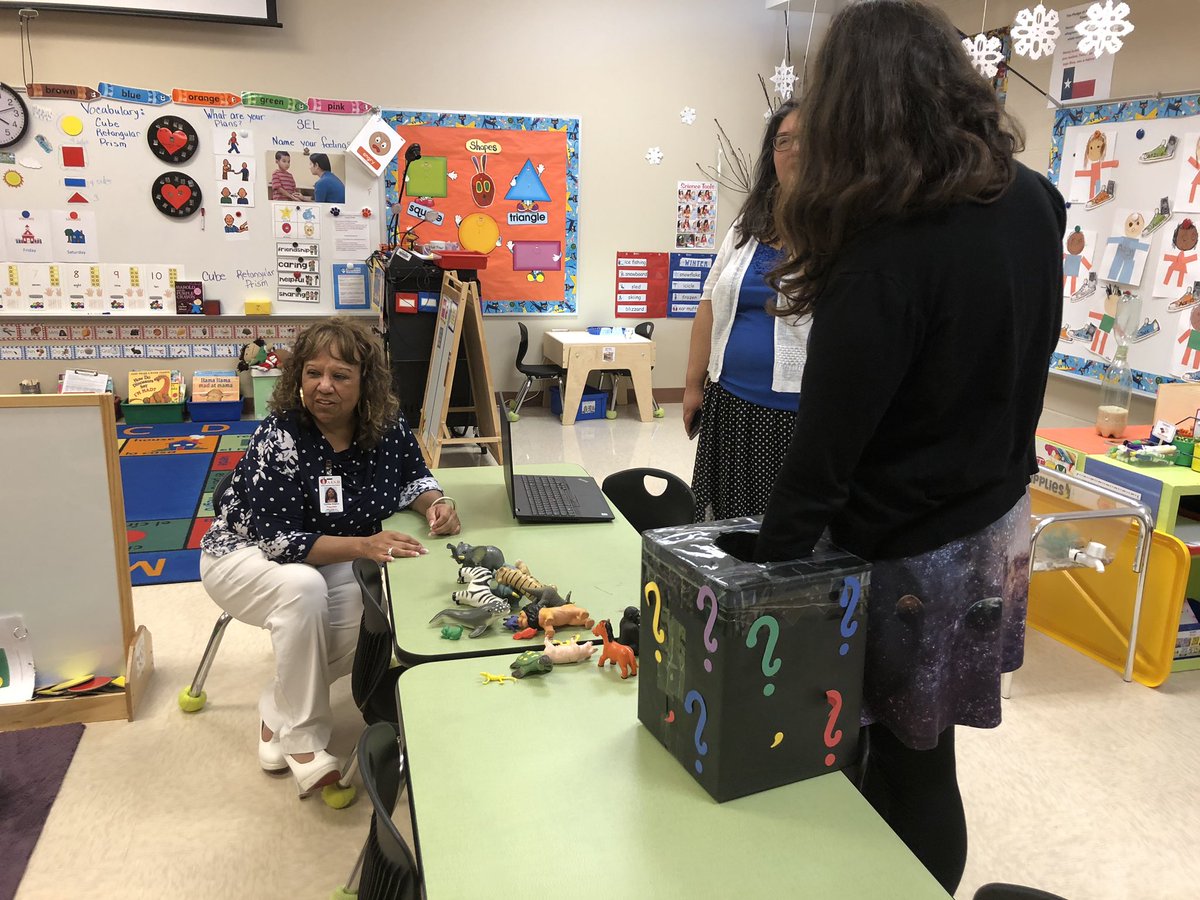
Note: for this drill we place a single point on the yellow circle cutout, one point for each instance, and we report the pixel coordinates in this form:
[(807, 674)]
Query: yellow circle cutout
[(478, 232), (72, 125), (13, 178)]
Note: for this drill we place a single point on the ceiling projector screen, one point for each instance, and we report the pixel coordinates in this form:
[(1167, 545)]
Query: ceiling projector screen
[(248, 12)]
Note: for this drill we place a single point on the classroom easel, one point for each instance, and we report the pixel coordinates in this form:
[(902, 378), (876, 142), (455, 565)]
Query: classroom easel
[(459, 320)]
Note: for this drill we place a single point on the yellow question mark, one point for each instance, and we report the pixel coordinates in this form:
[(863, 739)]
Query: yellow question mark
[(659, 634)]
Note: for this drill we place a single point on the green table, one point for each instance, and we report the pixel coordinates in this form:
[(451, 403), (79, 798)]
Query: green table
[(550, 787), (600, 563)]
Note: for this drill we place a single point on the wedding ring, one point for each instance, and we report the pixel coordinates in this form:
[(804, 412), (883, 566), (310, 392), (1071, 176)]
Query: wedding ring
[(389, 552)]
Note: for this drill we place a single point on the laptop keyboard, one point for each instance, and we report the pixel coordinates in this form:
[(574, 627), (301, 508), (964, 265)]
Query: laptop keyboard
[(550, 496)]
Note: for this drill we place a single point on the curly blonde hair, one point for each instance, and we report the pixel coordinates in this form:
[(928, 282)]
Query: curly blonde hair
[(351, 341)]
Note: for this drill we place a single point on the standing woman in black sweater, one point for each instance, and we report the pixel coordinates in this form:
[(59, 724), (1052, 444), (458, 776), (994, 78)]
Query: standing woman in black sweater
[(931, 263)]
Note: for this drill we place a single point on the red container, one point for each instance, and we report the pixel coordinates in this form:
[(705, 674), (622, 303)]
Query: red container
[(461, 259)]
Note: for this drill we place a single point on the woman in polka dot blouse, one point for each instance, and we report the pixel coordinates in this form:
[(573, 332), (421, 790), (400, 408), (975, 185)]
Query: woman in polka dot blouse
[(322, 472)]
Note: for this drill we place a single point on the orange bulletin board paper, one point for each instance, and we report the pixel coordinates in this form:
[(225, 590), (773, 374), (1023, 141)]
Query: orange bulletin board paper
[(506, 186)]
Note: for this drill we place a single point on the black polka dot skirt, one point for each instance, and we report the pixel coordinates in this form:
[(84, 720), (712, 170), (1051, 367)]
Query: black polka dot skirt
[(741, 447)]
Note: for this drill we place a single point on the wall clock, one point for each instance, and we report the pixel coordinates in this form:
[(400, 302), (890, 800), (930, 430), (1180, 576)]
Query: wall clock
[(14, 116)]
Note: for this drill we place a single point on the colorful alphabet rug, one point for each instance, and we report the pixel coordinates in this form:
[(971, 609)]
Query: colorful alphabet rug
[(168, 473)]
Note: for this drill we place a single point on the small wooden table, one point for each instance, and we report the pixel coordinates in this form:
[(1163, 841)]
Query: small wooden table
[(581, 353)]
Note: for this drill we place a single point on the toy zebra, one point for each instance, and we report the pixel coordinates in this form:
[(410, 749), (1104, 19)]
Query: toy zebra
[(472, 573), (477, 594)]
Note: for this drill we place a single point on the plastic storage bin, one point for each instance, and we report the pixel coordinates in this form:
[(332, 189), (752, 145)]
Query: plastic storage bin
[(220, 411), (264, 385), (592, 405), (750, 674), (152, 413)]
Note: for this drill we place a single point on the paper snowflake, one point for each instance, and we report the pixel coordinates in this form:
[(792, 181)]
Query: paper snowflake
[(1103, 28), (783, 79), (687, 116), (985, 54), (1036, 32), (654, 156)]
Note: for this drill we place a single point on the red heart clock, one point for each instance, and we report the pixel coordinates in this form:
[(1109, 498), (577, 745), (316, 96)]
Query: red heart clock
[(172, 139), (176, 195)]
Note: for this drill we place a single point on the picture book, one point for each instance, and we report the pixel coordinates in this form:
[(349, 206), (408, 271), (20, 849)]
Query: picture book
[(156, 386), (215, 386)]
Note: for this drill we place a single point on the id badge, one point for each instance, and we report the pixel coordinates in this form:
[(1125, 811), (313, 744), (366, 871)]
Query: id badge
[(329, 493)]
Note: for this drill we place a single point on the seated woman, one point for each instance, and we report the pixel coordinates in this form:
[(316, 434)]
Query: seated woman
[(321, 473)]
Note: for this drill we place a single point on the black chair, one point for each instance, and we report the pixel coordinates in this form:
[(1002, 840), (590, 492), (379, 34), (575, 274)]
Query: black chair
[(643, 329), (644, 510), (386, 868), (532, 373), (373, 679), (997, 891)]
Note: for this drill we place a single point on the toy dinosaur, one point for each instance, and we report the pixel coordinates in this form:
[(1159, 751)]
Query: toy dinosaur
[(478, 619), (531, 662), (483, 555), (555, 617), (568, 651), (489, 678)]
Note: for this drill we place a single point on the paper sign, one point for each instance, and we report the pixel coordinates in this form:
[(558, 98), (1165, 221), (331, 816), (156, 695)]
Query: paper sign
[(687, 275), (1073, 75), (351, 237), (376, 145), (350, 286), (642, 289)]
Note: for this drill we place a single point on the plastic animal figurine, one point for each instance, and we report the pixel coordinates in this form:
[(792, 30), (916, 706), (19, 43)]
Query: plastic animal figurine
[(477, 594), (478, 619), (519, 579), (631, 628), (556, 617), (568, 651), (618, 654), (531, 662), (469, 574), (483, 555), (525, 634), (451, 632), (489, 678)]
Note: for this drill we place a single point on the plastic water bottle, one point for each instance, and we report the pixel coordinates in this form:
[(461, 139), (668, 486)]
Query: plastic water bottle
[(1116, 384)]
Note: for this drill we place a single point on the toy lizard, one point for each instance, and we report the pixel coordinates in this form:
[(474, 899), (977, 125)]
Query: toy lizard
[(489, 678)]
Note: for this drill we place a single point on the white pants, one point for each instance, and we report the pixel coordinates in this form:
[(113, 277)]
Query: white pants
[(313, 614)]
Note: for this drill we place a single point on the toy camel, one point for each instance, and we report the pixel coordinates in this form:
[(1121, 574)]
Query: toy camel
[(554, 617), (617, 654), (568, 651)]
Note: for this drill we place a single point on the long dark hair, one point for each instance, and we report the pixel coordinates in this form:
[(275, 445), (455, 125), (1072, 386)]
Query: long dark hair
[(757, 219), (896, 123), (351, 341)]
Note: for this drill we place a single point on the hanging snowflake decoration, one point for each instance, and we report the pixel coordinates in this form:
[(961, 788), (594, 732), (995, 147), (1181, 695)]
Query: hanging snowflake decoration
[(1103, 28), (687, 116), (784, 79), (654, 156), (1035, 33), (985, 54)]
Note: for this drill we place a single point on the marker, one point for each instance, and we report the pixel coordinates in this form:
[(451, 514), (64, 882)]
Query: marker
[(205, 98), (202, 218), (273, 101), (339, 107), (45, 90), (132, 94)]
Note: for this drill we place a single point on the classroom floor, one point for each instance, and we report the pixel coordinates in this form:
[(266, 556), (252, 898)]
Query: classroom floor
[(1087, 789)]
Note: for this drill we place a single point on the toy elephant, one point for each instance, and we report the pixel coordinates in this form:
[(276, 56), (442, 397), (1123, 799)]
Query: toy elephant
[(483, 555)]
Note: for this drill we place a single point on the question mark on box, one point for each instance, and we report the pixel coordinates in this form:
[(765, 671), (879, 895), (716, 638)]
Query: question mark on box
[(851, 591), (769, 666), (695, 699), (659, 634), (710, 643), (832, 737)]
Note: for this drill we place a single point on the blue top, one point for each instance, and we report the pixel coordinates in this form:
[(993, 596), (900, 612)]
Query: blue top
[(273, 501), (749, 356), (329, 189)]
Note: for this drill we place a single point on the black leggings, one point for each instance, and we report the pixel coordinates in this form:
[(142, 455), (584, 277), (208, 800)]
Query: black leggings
[(916, 793)]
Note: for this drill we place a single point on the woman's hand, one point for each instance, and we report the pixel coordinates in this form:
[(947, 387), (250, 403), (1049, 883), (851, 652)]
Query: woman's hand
[(693, 399), (443, 519), (388, 545)]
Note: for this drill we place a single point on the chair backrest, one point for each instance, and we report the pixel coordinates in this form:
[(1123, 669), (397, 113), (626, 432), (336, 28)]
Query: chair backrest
[(218, 497), (644, 510), (522, 346), (998, 891), (372, 681), (390, 870), (644, 329)]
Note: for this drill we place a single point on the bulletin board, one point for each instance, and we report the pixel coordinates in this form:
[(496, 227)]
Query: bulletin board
[(82, 185), (1126, 241), (507, 186)]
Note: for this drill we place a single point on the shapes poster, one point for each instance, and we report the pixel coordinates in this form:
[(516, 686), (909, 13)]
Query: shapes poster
[(504, 186)]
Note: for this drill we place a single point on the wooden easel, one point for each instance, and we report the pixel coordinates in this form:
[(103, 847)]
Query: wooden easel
[(459, 320)]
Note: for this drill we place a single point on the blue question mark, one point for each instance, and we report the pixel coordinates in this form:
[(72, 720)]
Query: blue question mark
[(851, 591), (769, 666), (692, 699)]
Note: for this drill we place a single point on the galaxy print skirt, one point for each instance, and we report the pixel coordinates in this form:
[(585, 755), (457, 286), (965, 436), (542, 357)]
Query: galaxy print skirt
[(942, 627)]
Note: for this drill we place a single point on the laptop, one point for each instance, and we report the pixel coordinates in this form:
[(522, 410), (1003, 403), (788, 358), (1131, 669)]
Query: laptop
[(550, 498)]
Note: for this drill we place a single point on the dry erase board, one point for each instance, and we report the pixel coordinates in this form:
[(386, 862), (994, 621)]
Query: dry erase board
[(108, 203), (1142, 239)]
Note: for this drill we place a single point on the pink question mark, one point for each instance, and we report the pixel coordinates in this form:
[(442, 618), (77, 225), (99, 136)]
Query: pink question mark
[(710, 643), (832, 737)]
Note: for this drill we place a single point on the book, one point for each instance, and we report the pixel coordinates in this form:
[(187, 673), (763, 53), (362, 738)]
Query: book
[(156, 386), (189, 298), (215, 386)]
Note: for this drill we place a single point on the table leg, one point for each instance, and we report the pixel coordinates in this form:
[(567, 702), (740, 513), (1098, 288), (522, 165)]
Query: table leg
[(643, 391), (577, 375)]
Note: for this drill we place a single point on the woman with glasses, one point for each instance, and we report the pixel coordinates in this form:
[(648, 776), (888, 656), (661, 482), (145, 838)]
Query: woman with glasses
[(744, 365)]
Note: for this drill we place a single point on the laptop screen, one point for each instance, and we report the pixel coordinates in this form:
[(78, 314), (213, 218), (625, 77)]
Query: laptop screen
[(506, 453)]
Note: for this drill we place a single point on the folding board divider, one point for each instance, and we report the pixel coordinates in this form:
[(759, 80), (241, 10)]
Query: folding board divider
[(459, 320)]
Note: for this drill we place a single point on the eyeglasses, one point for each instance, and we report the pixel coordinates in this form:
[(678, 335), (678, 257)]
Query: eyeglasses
[(783, 141)]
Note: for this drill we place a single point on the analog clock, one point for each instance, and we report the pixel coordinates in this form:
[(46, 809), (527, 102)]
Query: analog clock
[(14, 116)]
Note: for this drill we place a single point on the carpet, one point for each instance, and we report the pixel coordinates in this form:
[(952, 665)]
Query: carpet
[(33, 764), (168, 473)]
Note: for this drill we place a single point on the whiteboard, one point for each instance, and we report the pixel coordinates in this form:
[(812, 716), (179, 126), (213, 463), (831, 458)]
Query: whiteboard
[(112, 205), (63, 546), (1131, 129)]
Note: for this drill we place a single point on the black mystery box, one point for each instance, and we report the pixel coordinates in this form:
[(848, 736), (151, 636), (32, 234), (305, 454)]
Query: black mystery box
[(750, 674)]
